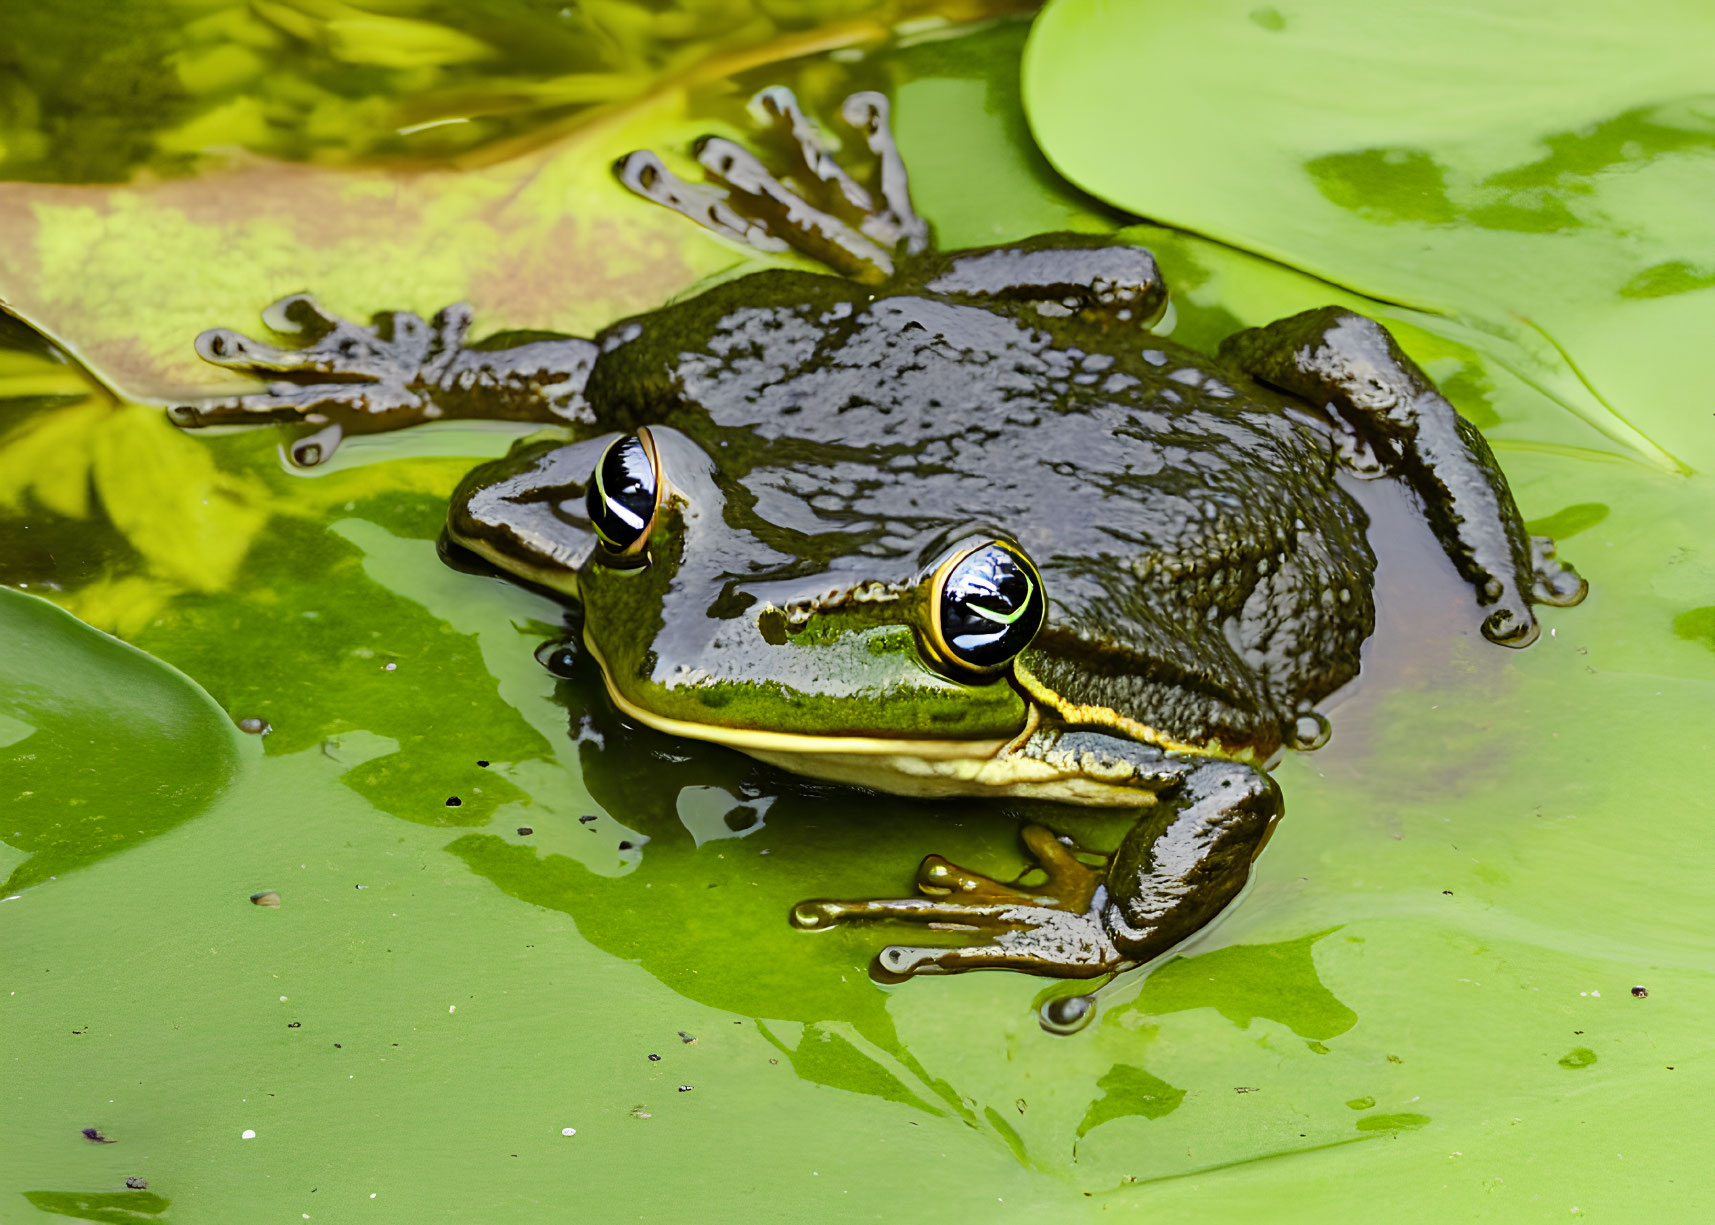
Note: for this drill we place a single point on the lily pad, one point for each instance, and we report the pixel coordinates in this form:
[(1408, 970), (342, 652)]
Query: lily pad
[(1535, 174), (104, 747), (1493, 847)]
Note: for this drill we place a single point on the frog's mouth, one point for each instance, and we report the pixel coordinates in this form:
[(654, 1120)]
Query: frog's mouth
[(914, 767)]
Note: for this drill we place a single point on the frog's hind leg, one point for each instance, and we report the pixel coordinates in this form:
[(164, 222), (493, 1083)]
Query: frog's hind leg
[(346, 378), (820, 209), (1353, 366)]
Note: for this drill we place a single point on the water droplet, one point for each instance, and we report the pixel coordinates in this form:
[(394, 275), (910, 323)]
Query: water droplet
[(1067, 1014)]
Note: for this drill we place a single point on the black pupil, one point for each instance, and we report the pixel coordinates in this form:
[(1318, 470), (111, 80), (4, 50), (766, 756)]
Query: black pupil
[(621, 495), (991, 607)]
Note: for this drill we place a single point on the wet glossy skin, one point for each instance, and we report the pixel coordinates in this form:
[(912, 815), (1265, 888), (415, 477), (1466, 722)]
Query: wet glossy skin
[(824, 443), (828, 439)]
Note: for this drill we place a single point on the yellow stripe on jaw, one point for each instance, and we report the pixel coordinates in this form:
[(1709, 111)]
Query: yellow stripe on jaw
[(752, 741), (1107, 716), (563, 580), (929, 769)]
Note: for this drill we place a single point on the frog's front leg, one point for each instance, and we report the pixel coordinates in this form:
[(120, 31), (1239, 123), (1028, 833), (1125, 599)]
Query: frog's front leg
[(1185, 859), (346, 378), (1352, 365)]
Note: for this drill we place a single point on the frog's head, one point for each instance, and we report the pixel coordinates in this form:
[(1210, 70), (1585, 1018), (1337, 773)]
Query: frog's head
[(720, 607)]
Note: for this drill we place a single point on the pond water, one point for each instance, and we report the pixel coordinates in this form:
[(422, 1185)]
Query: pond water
[(1468, 980)]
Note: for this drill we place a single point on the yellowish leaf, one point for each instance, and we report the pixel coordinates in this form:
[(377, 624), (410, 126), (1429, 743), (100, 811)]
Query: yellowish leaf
[(121, 606), (47, 458), (400, 42), (32, 374), (191, 521)]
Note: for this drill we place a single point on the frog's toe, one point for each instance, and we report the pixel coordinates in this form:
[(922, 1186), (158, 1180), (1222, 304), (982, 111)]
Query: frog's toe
[(235, 350), (1036, 935), (1511, 625), (299, 314), (333, 349), (938, 877), (644, 173), (334, 409), (1057, 943), (819, 914), (1556, 582), (1561, 587), (818, 234), (283, 402)]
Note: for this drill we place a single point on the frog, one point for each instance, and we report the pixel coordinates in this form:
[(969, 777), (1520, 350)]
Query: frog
[(945, 524)]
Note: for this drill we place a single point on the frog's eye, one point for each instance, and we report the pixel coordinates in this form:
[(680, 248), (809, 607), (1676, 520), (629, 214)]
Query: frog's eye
[(624, 493), (986, 604)]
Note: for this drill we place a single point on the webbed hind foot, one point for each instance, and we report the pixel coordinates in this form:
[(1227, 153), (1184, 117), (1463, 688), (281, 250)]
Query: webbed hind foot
[(1052, 928), (817, 208)]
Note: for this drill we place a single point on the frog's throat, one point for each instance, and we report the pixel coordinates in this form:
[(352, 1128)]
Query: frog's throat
[(925, 768), (1075, 715)]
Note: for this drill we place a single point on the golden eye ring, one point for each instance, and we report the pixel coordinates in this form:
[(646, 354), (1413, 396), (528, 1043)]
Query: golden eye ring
[(624, 495), (986, 604)]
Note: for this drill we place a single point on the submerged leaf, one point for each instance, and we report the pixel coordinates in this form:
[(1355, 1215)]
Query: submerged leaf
[(47, 459), (161, 488), (1245, 982), (1128, 1091), (187, 519)]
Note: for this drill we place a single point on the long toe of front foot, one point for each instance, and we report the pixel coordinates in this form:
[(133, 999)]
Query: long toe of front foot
[(1032, 939)]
